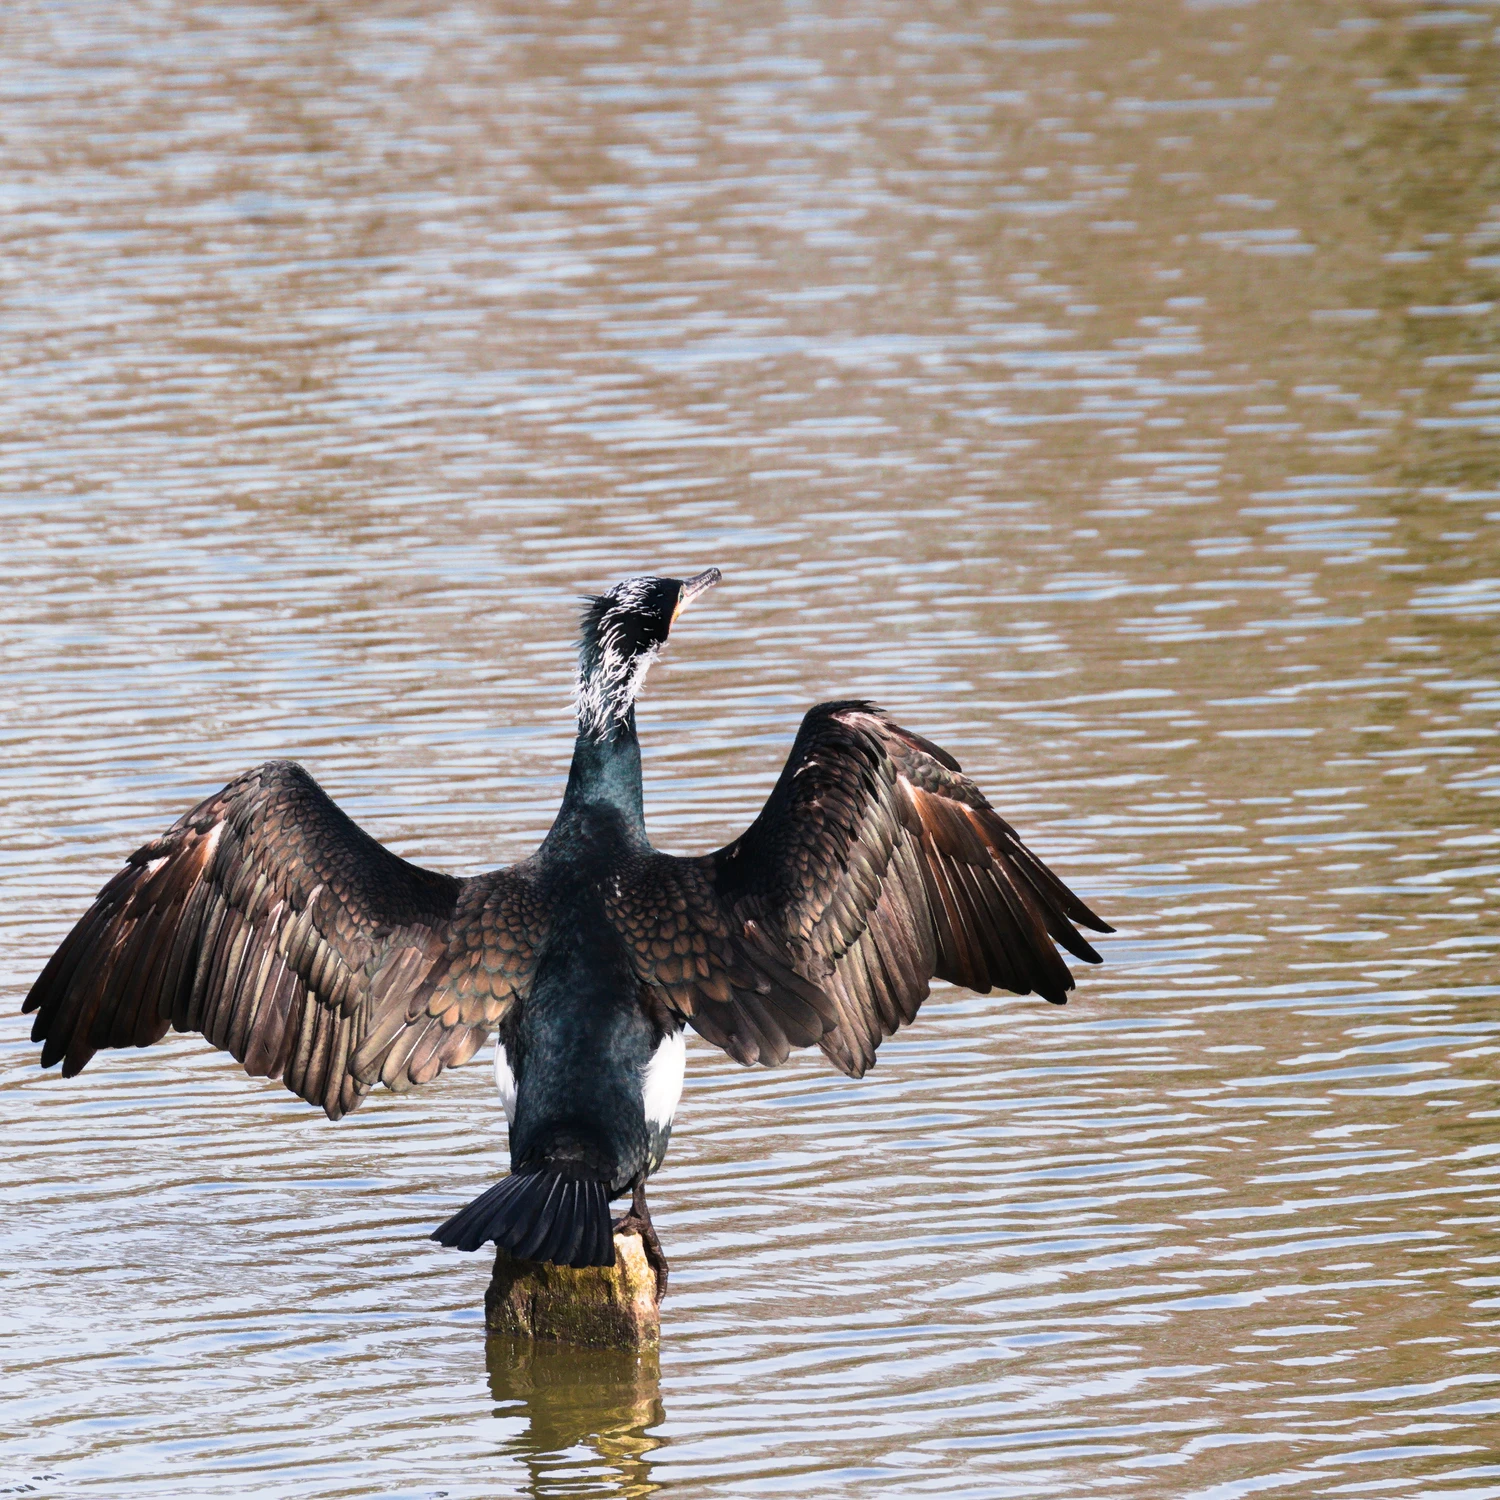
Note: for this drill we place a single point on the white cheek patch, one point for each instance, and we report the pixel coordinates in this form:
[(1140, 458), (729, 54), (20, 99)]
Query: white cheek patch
[(505, 1081), (661, 1087)]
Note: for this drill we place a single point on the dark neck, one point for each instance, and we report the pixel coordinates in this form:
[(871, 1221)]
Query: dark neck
[(606, 773)]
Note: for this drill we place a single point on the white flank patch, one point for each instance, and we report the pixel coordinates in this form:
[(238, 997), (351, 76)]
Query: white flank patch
[(662, 1086), (505, 1081)]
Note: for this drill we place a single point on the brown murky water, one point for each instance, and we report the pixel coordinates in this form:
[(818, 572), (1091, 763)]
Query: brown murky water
[(1113, 394)]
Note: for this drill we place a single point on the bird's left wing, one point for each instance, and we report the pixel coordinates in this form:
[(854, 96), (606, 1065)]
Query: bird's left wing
[(268, 920), (874, 867)]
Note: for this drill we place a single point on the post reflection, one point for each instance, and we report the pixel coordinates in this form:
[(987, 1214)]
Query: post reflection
[(589, 1413)]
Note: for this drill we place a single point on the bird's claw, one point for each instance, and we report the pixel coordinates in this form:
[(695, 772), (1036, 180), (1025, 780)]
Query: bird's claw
[(634, 1223)]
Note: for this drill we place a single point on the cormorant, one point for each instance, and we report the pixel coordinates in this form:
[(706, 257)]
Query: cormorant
[(265, 919)]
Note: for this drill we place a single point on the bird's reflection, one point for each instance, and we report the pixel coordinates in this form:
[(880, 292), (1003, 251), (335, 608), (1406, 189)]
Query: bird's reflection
[(600, 1401)]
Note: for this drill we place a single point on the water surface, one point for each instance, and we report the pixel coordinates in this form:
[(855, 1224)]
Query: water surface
[(1111, 394)]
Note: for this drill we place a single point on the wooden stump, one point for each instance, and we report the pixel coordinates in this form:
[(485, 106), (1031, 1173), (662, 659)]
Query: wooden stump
[(614, 1306)]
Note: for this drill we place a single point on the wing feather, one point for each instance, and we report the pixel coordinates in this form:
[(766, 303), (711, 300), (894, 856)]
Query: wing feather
[(875, 867), (267, 920)]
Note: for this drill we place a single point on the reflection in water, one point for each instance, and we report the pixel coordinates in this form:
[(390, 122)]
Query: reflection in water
[(602, 1401)]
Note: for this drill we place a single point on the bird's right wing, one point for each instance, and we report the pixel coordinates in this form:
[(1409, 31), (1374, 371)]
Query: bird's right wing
[(875, 866), (270, 922)]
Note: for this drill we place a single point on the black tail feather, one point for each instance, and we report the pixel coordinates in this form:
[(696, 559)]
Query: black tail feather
[(572, 1238), (598, 1238), (538, 1216)]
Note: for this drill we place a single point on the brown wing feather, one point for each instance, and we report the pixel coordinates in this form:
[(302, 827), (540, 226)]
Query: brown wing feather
[(734, 984), (875, 866), (270, 922)]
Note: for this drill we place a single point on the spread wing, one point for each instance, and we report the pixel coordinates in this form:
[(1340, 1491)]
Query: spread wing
[(875, 866), (267, 920)]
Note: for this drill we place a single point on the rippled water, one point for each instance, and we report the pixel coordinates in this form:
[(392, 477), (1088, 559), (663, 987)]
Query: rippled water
[(1112, 394)]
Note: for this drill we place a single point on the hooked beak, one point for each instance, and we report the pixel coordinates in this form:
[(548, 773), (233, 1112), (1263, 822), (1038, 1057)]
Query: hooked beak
[(700, 583)]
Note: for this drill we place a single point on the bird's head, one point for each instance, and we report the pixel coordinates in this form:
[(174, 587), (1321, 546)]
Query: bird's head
[(623, 632)]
